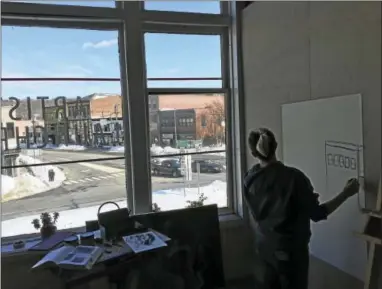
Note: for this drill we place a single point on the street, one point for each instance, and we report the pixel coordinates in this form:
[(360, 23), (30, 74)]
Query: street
[(91, 183)]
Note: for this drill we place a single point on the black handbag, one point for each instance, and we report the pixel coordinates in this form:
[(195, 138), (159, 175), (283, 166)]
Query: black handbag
[(113, 224)]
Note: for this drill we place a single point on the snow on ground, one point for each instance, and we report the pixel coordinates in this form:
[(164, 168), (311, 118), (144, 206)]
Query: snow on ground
[(41, 172), (116, 149), (71, 147), (7, 184), (157, 150), (31, 182), (216, 193), (25, 185)]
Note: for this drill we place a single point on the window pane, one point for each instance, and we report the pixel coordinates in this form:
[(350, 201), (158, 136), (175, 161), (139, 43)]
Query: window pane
[(59, 53), (176, 60), (108, 3), (211, 7), (74, 140), (188, 124)]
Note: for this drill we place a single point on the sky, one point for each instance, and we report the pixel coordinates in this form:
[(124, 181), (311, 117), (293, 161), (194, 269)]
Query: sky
[(50, 52)]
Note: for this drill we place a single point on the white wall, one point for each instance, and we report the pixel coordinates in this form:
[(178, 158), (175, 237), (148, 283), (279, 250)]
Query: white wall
[(295, 51)]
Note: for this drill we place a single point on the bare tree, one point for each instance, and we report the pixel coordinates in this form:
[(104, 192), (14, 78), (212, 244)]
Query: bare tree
[(209, 121)]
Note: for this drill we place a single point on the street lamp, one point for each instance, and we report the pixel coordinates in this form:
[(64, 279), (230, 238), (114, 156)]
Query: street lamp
[(223, 132), (175, 132), (34, 120)]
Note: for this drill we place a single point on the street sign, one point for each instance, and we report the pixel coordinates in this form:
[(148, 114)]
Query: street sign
[(186, 167)]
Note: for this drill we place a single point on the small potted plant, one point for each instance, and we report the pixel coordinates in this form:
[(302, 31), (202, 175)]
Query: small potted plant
[(46, 224)]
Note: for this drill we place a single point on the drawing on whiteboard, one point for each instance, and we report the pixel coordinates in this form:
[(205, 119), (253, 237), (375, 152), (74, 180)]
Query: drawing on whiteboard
[(343, 161)]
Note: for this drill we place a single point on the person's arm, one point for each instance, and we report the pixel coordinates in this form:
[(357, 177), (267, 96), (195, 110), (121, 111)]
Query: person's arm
[(351, 188), (308, 202)]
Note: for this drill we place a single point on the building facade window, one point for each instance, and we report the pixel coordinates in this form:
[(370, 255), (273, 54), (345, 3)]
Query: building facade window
[(10, 129), (158, 78)]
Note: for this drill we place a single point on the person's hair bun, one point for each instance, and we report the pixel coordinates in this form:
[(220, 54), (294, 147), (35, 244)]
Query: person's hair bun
[(262, 145)]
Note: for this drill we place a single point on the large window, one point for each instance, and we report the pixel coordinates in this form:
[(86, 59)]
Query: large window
[(132, 105), (188, 156), (179, 61), (66, 139), (188, 152)]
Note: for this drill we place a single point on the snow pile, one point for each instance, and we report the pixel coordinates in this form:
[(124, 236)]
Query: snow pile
[(216, 193), (157, 150), (116, 149), (50, 146), (41, 172), (71, 147), (7, 184), (26, 185)]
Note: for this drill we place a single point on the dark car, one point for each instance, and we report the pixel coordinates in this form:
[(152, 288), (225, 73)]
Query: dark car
[(207, 166), (167, 167)]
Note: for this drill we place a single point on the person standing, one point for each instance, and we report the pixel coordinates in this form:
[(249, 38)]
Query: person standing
[(282, 202), (51, 175)]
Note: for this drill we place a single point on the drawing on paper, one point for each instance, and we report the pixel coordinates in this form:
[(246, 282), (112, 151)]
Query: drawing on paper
[(343, 161)]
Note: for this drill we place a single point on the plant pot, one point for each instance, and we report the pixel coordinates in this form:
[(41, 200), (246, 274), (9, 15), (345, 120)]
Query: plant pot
[(48, 231)]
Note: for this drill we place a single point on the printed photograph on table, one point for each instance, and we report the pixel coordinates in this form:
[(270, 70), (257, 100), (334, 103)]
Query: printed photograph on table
[(144, 242)]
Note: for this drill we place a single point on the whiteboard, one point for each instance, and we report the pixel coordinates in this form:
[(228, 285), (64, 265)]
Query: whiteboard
[(324, 139)]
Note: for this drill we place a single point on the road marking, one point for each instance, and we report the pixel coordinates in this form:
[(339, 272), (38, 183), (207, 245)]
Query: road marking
[(95, 178), (88, 179), (64, 159), (101, 168)]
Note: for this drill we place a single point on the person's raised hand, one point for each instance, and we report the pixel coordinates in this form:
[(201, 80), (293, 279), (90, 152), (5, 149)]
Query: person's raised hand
[(351, 188)]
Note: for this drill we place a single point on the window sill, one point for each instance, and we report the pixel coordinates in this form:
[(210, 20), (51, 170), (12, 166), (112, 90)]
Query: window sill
[(227, 221)]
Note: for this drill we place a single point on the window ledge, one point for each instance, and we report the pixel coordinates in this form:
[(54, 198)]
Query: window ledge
[(226, 221), (231, 221)]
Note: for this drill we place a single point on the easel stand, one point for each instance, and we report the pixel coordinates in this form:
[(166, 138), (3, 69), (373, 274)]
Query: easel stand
[(372, 234)]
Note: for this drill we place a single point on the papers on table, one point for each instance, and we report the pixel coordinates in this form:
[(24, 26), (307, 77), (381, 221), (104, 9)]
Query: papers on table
[(145, 241)]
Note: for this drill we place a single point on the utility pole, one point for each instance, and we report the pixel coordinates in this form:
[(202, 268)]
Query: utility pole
[(116, 126), (175, 132)]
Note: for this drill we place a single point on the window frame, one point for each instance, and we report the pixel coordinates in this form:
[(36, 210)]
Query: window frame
[(132, 22)]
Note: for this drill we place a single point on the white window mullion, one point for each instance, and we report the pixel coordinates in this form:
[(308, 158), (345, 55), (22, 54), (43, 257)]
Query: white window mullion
[(236, 115), (185, 18), (134, 83)]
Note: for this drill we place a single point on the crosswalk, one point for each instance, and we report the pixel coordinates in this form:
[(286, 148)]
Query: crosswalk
[(93, 179)]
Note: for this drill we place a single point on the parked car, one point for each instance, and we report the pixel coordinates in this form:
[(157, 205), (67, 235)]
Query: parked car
[(167, 167), (207, 166)]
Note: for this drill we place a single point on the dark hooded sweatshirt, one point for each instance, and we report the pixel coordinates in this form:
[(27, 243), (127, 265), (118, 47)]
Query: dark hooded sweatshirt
[(282, 202)]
